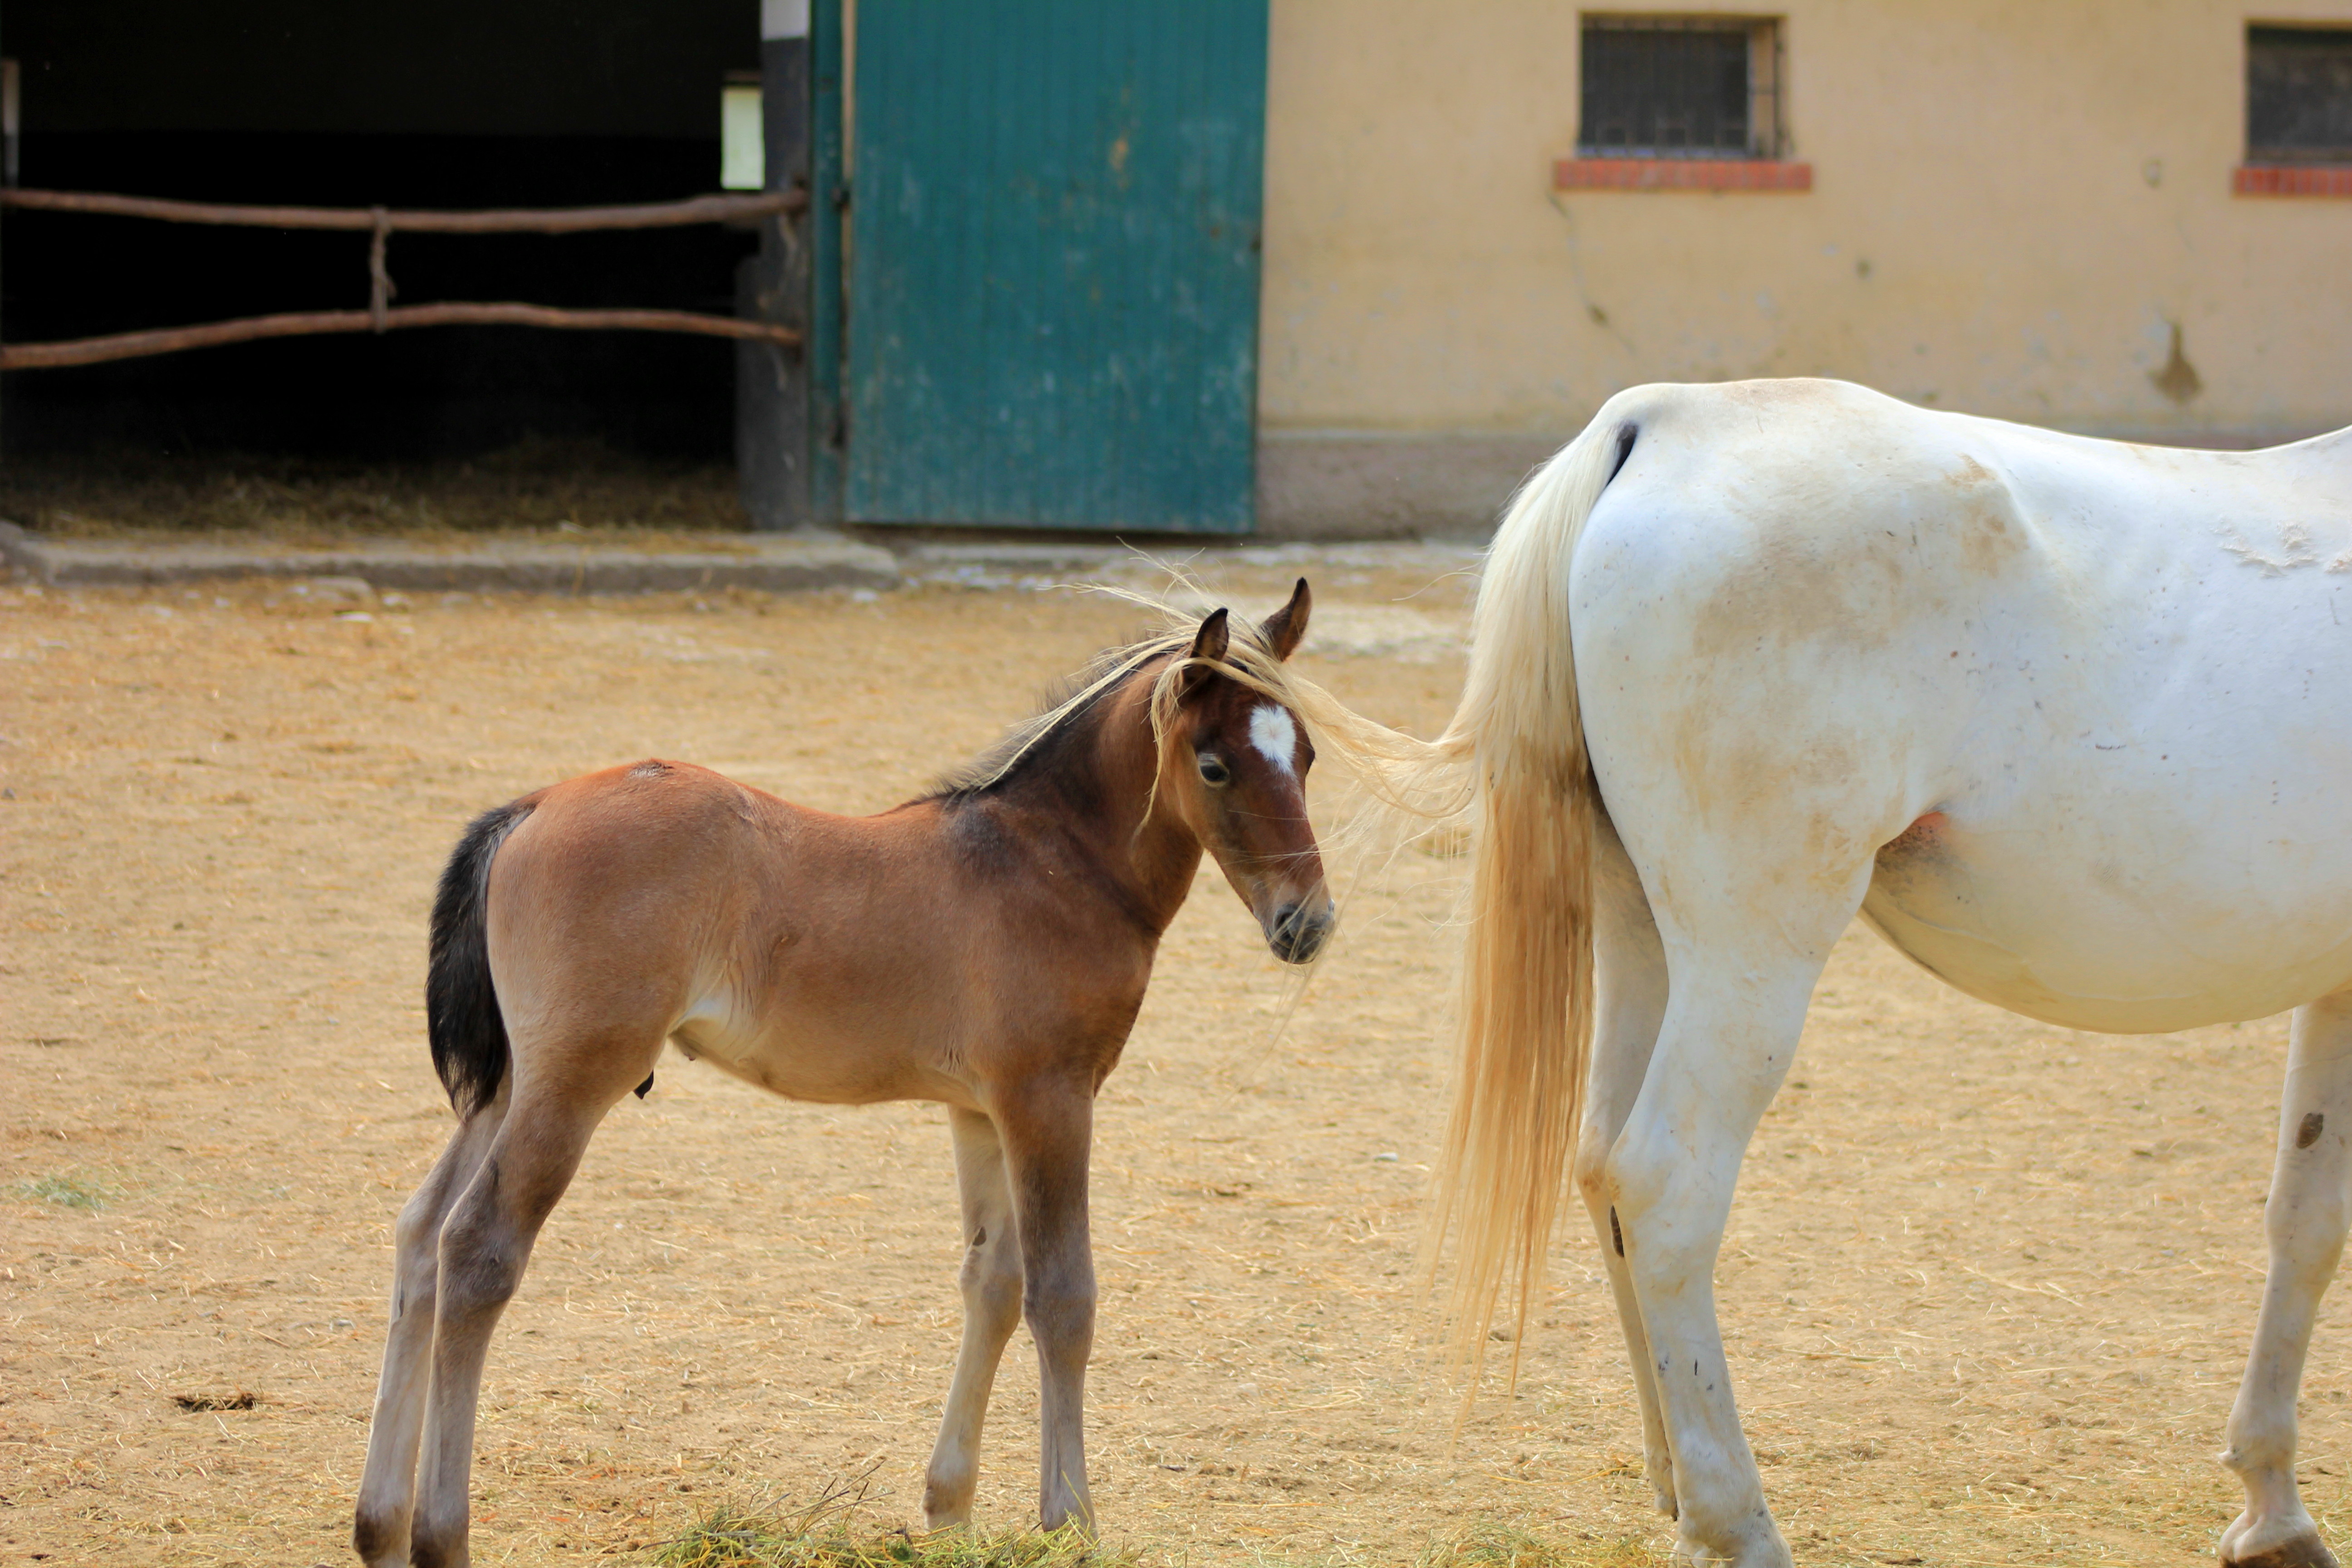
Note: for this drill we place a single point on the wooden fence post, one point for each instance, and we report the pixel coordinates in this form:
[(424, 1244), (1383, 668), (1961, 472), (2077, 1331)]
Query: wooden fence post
[(824, 352), (10, 112), (772, 384)]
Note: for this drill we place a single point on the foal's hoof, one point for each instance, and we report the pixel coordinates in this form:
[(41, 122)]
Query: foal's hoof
[(947, 1504)]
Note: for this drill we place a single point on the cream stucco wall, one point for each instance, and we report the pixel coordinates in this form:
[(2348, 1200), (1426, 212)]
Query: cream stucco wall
[(2014, 203)]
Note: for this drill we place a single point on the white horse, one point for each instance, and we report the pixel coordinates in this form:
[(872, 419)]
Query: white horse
[(2068, 721)]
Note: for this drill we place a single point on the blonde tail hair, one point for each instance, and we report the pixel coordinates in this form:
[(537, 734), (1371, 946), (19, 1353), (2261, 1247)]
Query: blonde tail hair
[(1526, 1008)]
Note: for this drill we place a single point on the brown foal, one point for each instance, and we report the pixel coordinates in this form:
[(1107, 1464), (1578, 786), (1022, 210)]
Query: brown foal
[(986, 946)]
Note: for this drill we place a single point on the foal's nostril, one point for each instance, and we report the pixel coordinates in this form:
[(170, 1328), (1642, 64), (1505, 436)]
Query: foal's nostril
[(1298, 932)]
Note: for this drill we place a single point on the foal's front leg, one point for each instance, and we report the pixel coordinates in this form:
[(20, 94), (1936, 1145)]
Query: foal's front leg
[(1047, 1129), (991, 1277), (2309, 1208)]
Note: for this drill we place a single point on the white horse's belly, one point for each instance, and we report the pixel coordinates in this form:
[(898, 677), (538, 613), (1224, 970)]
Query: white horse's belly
[(2047, 923), (2116, 681)]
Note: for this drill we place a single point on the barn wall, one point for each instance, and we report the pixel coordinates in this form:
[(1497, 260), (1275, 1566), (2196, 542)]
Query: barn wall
[(2015, 204)]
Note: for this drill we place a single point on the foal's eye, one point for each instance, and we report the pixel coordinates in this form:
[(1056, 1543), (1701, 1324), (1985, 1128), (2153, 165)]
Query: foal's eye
[(1213, 772)]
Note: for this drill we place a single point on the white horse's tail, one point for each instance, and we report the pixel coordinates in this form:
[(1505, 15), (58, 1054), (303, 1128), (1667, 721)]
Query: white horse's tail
[(1526, 1009)]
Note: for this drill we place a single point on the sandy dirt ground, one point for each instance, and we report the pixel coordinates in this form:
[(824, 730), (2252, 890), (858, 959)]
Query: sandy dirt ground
[(1987, 1287)]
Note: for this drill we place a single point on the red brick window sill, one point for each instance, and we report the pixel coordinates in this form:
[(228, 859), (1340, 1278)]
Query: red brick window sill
[(2291, 180), (1680, 175)]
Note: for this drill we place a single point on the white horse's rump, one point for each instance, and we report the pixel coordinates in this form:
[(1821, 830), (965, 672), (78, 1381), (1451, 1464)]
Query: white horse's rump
[(2069, 721)]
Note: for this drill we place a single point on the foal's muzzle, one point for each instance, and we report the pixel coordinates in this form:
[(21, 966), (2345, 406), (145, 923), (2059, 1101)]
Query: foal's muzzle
[(1298, 931)]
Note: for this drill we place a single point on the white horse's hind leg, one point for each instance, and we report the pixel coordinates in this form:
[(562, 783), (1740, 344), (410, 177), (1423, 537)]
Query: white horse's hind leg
[(1631, 1002), (991, 1277), (1741, 971), (2309, 1210), (388, 1483), (1729, 1032)]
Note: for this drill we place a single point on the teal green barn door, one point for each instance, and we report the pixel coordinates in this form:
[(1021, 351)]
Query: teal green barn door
[(1053, 292)]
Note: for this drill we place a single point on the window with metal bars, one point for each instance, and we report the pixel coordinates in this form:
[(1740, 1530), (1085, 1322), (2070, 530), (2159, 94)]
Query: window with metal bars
[(2299, 95), (1679, 87)]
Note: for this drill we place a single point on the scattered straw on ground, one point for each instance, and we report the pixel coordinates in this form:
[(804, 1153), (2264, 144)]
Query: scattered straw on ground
[(1987, 1288), (574, 485), (826, 1533)]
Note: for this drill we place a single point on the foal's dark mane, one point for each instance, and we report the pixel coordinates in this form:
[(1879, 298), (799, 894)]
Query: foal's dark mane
[(1047, 742)]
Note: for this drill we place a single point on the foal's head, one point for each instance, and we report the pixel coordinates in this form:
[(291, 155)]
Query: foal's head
[(1233, 766)]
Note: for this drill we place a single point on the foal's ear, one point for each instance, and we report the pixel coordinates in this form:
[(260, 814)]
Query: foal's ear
[(1286, 627), (1214, 637)]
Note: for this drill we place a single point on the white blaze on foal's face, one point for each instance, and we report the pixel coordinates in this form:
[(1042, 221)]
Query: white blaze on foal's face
[(1276, 735)]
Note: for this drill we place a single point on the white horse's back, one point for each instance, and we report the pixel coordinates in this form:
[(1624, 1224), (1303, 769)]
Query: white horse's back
[(2116, 681)]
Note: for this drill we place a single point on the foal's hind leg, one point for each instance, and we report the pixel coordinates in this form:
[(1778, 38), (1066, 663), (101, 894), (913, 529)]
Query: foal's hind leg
[(1631, 1001), (991, 1279), (485, 1243), (2309, 1210), (388, 1484)]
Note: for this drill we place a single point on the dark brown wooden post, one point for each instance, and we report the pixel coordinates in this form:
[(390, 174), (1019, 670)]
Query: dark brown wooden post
[(772, 416), (11, 126)]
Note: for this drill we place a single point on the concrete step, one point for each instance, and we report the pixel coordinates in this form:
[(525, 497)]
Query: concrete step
[(771, 563)]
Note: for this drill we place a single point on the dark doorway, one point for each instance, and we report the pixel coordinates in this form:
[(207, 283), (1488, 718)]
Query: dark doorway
[(439, 103)]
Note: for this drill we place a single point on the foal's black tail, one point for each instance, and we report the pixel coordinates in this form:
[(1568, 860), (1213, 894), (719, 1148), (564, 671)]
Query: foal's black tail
[(461, 1005)]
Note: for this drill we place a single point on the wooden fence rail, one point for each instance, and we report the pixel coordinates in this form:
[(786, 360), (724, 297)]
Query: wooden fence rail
[(517, 220), (381, 315)]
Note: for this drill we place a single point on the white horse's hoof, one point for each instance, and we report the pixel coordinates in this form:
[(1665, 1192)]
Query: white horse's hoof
[(2304, 1550), (2292, 1542), (1755, 1549)]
